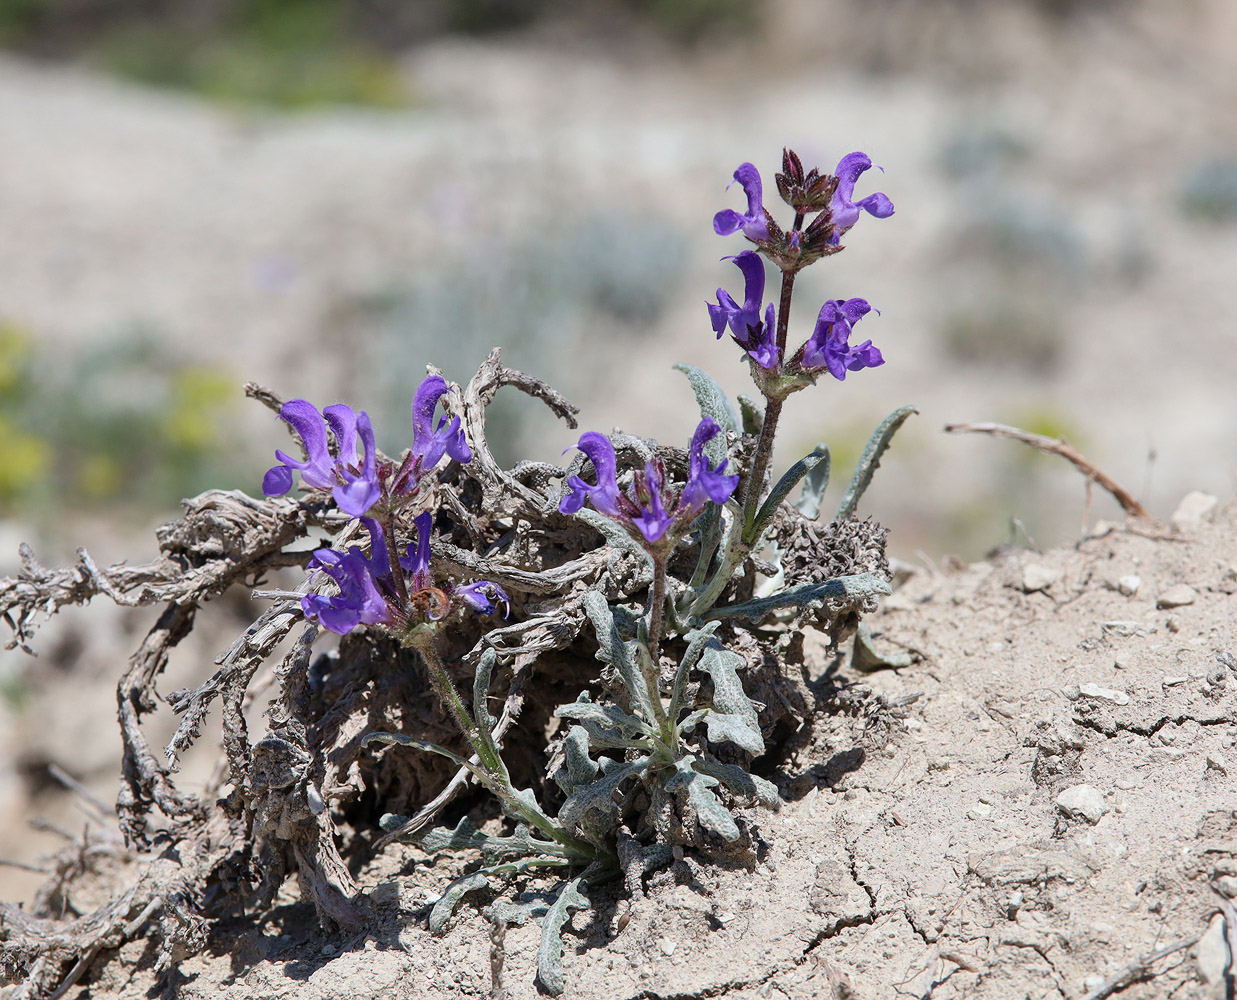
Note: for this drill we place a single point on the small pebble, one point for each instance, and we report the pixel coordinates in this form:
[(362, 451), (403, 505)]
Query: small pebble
[(1195, 508), (1071, 692), (1217, 763), (980, 810), (1173, 624), (1170, 681), (1121, 661), (1083, 801), (1128, 585), (1036, 577), (1104, 694), (1212, 956), (667, 946), (1227, 885), (1176, 597)]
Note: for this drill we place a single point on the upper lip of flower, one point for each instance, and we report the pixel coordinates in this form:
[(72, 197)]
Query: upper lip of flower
[(354, 486), (754, 224), (428, 441), (754, 333)]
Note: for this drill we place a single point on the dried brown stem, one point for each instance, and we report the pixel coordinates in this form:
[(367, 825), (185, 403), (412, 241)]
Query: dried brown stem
[(1057, 446)]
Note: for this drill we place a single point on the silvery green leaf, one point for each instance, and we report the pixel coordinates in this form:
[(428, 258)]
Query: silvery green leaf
[(869, 461), (817, 459), (807, 595), (734, 729), (753, 415), (451, 897), (615, 536), (814, 485), (439, 838), (612, 650), (729, 698), (481, 692), (597, 795), (696, 640), (738, 781), (710, 813), (581, 768), (409, 741), (516, 914), (550, 951), (866, 657), (604, 717), (713, 403)]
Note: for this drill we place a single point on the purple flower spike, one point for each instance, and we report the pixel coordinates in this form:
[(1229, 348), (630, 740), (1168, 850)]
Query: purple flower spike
[(428, 441), (418, 562), (359, 601), (845, 212), (829, 346), (484, 597), (605, 494), (705, 483), (652, 520), (354, 487), (754, 334), (754, 225)]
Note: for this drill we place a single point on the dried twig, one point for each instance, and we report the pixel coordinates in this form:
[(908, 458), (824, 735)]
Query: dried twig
[(1057, 446), (1139, 968)]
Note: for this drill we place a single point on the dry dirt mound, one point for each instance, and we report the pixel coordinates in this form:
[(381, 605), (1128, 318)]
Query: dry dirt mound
[(1053, 807)]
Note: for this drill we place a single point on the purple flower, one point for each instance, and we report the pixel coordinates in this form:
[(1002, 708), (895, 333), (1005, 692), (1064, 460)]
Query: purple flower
[(844, 212), (605, 494), (354, 486), (704, 483), (359, 601), (650, 508), (754, 333), (483, 597), (431, 442), (754, 225), (829, 346)]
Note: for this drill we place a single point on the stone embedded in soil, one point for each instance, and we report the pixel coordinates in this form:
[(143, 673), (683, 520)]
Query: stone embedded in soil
[(1128, 585), (1213, 955), (1104, 694), (1194, 509), (1218, 763), (1036, 577), (1176, 597), (1083, 801)]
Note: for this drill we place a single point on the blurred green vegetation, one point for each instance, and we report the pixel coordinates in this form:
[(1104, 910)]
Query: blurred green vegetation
[(302, 53), (120, 425)]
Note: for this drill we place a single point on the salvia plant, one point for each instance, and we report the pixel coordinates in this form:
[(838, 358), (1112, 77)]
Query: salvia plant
[(642, 605), (662, 756)]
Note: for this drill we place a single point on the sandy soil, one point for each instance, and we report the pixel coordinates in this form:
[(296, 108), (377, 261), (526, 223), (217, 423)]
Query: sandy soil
[(1050, 801)]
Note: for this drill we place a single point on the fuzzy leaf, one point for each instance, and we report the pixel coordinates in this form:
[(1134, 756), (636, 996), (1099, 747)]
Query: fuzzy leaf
[(450, 899), (604, 717), (733, 729), (581, 768), (597, 795), (814, 485), (866, 657), (738, 781), (753, 415), (804, 467), (807, 595), (550, 951), (612, 650), (869, 461), (481, 692), (710, 813), (516, 914), (729, 698), (696, 640), (713, 403)]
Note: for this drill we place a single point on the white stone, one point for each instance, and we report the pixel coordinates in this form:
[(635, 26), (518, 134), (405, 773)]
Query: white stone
[(1128, 585), (1212, 958), (1176, 597), (981, 810), (667, 946), (1170, 681), (1104, 694), (1036, 577), (1194, 509), (1214, 760), (1085, 801)]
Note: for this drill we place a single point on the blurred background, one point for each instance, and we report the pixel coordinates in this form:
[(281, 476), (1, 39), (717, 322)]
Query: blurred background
[(325, 195)]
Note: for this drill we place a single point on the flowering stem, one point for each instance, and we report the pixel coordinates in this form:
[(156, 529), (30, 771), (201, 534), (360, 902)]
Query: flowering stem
[(397, 571), (652, 666), (768, 427)]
